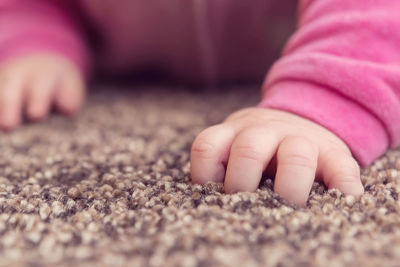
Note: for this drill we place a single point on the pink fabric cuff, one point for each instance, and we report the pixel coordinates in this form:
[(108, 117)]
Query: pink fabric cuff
[(362, 132)]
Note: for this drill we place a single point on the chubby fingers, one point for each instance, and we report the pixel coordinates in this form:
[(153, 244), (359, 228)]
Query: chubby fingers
[(247, 151), (340, 170), (11, 100), (209, 153), (71, 93), (297, 160), (40, 95), (250, 154)]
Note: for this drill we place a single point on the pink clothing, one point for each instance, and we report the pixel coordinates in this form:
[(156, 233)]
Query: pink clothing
[(341, 68)]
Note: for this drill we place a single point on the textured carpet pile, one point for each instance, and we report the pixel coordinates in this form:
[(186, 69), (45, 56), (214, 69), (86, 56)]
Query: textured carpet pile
[(113, 188)]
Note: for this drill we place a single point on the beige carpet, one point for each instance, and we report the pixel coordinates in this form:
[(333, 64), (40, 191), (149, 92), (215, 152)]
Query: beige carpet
[(113, 188)]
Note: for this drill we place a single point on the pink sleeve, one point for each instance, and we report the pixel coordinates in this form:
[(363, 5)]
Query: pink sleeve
[(341, 69), (28, 26)]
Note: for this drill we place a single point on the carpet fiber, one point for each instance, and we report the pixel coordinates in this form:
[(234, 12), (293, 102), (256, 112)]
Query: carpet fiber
[(113, 188)]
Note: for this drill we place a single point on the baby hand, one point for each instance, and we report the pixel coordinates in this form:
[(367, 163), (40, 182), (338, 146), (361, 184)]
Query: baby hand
[(31, 84), (251, 139)]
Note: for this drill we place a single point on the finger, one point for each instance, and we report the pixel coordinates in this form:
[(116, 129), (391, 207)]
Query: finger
[(250, 153), (11, 100), (209, 154), (71, 94), (40, 95), (297, 163), (340, 170)]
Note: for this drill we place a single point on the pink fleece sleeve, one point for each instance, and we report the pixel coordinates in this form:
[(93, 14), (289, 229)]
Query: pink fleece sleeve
[(28, 26), (341, 69)]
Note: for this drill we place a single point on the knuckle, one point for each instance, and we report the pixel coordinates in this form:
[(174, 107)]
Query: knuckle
[(350, 171), (274, 123), (237, 114), (338, 146), (342, 158), (334, 152), (343, 180), (253, 116), (247, 151), (203, 149), (299, 145), (347, 179), (349, 163), (298, 159), (253, 133)]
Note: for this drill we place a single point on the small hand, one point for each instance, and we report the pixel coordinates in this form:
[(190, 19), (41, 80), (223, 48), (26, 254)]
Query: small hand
[(31, 84), (241, 148)]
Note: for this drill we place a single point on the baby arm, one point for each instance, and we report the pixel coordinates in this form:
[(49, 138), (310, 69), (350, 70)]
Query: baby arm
[(335, 90), (43, 61)]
